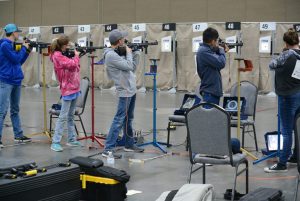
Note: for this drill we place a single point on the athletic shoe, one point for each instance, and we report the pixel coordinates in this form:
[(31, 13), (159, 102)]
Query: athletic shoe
[(105, 154), (74, 144), (277, 168), (1, 145), (134, 148), (22, 139), (56, 147), (292, 159)]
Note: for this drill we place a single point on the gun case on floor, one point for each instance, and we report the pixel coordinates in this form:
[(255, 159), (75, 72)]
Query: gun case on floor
[(57, 184)]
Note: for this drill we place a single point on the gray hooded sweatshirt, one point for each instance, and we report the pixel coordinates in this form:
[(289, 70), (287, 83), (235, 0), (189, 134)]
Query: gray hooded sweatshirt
[(121, 70)]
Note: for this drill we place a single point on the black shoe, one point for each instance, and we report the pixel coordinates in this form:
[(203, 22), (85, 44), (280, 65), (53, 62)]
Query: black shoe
[(134, 148), (22, 139), (105, 154), (228, 195), (292, 159), (1, 145), (277, 168)]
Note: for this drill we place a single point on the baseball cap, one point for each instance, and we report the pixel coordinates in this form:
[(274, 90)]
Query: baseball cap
[(10, 28), (116, 35)]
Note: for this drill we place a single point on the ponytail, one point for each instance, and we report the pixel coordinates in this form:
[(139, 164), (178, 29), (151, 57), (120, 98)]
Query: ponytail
[(58, 43)]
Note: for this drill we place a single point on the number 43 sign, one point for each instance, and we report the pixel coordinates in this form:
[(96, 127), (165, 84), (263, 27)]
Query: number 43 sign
[(84, 28)]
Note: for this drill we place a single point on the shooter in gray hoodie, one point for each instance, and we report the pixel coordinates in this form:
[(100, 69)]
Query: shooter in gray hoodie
[(121, 70)]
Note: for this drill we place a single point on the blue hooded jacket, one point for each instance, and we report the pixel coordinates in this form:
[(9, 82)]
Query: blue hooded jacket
[(10, 62)]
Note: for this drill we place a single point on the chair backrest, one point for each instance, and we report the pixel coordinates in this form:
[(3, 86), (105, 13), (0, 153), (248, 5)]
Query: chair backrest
[(84, 88), (250, 92), (297, 138), (208, 130)]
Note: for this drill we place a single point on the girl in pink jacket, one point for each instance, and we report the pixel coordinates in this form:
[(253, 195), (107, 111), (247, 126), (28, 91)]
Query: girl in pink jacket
[(67, 72)]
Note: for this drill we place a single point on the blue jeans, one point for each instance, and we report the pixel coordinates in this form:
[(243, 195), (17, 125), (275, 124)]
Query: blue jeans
[(209, 98), (288, 106), (10, 95), (123, 119), (66, 116)]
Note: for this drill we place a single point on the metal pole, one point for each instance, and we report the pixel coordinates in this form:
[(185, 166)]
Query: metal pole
[(173, 90), (37, 85), (89, 61), (44, 94), (93, 103), (144, 66), (154, 108), (238, 130)]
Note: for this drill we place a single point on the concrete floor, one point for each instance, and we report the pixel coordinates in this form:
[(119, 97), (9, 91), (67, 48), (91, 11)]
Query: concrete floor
[(156, 176)]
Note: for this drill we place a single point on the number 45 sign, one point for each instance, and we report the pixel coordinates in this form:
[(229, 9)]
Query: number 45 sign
[(138, 27)]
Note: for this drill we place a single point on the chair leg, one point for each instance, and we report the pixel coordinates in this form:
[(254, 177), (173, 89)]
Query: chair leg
[(83, 128), (247, 177), (187, 143), (50, 128), (168, 139), (203, 171), (297, 186), (76, 130), (234, 184), (243, 136), (190, 175), (255, 139)]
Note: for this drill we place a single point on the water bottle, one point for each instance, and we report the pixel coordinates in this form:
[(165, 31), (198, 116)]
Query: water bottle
[(110, 159)]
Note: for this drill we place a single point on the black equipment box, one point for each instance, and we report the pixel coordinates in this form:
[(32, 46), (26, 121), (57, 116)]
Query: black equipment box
[(264, 194), (104, 192), (57, 184), (101, 183)]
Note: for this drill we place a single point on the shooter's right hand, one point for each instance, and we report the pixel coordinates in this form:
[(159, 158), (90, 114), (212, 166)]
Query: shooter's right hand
[(76, 53), (128, 50)]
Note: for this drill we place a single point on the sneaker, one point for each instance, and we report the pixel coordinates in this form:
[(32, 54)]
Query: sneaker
[(292, 159), (56, 147), (134, 148), (22, 139), (1, 145), (74, 144), (277, 168), (105, 154)]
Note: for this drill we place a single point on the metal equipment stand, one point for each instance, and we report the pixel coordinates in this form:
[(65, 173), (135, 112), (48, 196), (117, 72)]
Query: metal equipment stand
[(154, 141), (240, 69), (93, 137)]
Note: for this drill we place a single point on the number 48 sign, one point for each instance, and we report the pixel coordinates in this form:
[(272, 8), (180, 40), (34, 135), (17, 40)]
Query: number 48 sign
[(233, 25)]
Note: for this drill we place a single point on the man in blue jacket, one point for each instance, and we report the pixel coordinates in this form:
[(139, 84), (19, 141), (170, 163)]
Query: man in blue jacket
[(11, 76), (211, 60)]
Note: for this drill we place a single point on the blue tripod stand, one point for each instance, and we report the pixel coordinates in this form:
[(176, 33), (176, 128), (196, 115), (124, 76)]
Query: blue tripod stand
[(153, 71)]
